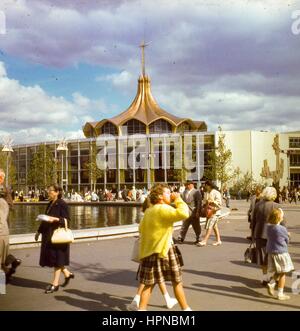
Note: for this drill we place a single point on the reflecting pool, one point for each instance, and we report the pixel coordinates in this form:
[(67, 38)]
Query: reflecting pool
[(22, 218)]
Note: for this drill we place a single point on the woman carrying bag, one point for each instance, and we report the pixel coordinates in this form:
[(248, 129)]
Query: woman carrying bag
[(55, 256)]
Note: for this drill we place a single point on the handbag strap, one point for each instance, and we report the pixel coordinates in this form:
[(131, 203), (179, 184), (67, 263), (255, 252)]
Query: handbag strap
[(66, 224)]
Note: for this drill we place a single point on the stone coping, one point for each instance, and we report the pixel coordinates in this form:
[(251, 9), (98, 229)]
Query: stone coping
[(27, 240), (83, 203)]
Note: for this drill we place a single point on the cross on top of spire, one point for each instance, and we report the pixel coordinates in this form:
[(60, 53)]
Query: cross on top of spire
[(142, 46)]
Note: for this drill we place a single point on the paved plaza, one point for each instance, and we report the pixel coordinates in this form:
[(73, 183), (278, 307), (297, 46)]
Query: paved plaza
[(215, 278)]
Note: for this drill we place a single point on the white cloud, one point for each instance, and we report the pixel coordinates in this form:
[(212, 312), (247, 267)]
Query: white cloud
[(119, 80), (28, 113), (260, 112), (234, 62)]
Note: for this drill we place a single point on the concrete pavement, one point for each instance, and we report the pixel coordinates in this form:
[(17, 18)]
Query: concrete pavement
[(215, 278)]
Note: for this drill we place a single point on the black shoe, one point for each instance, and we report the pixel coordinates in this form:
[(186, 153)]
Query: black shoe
[(264, 283), (16, 263), (8, 275), (51, 288), (196, 242), (179, 240), (67, 280)]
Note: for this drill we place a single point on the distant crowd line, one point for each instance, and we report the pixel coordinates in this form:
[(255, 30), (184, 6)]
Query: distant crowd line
[(284, 194)]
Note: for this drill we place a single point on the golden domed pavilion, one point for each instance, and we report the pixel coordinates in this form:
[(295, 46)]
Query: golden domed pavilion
[(143, 116)]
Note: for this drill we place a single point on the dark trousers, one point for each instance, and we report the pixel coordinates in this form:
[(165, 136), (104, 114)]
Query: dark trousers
[(186, 224)]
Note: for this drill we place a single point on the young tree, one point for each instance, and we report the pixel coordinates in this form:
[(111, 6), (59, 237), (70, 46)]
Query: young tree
[(11, 167), (92, 167), (42, 170), (242, 182), (219, 162)]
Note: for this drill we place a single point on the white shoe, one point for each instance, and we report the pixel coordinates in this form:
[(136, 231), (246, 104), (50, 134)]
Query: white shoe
[(201, 244), (283, 297), (217, 243), (172, 303), (271, 289), (134, 306)]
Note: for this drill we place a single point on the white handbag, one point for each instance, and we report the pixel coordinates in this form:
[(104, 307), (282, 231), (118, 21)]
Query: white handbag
[(62, 235), (135, 251)]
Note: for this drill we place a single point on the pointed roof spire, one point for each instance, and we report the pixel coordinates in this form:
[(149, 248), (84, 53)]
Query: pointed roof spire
[(142, 46)]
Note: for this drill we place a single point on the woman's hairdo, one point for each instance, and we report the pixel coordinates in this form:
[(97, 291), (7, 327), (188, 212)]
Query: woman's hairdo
[(156, 192), (269, 193), (58, 189), (275, 216)]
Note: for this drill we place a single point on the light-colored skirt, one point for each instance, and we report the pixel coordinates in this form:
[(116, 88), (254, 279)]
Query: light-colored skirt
[(211, 222), (280, 263), (4, 246)]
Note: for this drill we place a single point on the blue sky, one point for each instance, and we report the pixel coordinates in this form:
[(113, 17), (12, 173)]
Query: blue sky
[(64, 81), (233, 63)]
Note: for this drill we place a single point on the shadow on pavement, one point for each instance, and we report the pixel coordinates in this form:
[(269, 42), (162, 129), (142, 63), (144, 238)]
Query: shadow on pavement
[(97, 302), (97, 273), (232, 294), (234, 239), (23, 282), (244, 290), (252, 283), (243, 264)]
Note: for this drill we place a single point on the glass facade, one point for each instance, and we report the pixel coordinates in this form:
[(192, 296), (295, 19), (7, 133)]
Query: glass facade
[(295, 178), (109, 128), (160, 126), (133, 127), (295, 160), (139, 161), (184, 127), (294, 142)]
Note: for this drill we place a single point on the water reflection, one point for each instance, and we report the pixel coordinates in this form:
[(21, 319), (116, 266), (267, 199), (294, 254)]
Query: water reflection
[(22, 218)]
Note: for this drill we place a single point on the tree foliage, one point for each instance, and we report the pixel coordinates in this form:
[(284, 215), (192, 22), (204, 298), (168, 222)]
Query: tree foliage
[(42, 169), (219, 162), (92, 167), (12, 173), (242, 182)]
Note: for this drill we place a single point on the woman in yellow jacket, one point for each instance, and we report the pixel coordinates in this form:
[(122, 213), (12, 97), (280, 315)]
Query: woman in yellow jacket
[(159, 261)]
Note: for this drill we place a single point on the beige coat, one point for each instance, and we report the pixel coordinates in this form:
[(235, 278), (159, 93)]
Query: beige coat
[(4, 231), (4, 210)]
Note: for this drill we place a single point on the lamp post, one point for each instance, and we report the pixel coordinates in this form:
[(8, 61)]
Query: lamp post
[(148, 165), (63, 147), (7, 148)]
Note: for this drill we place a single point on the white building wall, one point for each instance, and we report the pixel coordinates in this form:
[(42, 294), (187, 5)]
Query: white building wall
[(250, 149)]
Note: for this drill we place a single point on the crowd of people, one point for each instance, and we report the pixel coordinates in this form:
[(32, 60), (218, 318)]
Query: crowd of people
[(159, 257)]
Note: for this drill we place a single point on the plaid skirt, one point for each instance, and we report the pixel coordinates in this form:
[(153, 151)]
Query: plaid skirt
[(157, 270), (280, 263)]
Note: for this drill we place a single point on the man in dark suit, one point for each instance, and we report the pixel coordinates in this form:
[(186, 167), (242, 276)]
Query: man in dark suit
[(193, 199)]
